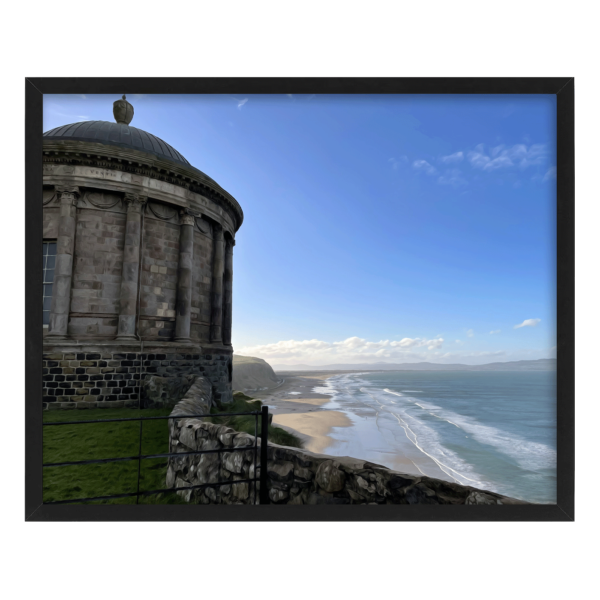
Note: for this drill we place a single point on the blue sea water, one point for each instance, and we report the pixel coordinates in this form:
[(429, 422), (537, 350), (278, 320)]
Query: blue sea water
[(491, 430)]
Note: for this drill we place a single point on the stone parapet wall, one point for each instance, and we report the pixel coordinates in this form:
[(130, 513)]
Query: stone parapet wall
[(111, 375), (295, 476)]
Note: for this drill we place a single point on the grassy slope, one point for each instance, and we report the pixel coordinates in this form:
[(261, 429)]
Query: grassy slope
[(65, 443), (243, 403)]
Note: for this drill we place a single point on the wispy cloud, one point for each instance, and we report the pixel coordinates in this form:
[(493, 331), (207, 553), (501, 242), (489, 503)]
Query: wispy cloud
[(452, 177), (519, 155), (495, 331), (470, 333), (424, 166), (396, 162), (453, 158), (550, 174), (528, 323), (56, 111), (509, 110), (241, 103)]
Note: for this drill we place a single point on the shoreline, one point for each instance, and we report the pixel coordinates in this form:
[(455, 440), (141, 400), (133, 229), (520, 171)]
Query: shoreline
[(299, 410)]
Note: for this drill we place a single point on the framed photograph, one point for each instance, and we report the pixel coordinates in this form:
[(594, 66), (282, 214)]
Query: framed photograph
[(398, 343)]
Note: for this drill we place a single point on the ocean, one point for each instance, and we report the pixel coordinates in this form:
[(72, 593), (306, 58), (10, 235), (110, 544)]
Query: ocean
[(491, 430)]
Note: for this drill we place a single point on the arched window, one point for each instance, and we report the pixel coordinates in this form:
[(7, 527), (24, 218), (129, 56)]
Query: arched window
[(49, 262)]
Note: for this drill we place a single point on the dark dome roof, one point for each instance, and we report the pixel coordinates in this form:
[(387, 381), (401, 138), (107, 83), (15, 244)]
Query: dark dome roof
[(116, 134)]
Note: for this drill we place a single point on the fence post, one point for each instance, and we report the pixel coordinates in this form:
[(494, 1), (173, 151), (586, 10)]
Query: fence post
[(264, 436)]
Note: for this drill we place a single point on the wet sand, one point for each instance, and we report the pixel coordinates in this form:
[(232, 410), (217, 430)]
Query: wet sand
[(302, 411), (298, 409)]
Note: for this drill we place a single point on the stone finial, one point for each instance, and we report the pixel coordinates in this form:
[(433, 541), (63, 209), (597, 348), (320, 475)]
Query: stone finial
[(123, 111)]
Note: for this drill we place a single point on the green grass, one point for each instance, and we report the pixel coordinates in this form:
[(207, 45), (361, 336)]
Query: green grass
[(65, 443), (243, 403)]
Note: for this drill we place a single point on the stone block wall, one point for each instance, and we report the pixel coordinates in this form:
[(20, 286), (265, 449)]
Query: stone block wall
[(201, 299), (97, 267), (110, 377), (50, 222), (295, 476), (158, 291)]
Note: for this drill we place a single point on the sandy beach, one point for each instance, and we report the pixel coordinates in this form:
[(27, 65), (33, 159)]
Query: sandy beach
[(297, 408), (314, 416)]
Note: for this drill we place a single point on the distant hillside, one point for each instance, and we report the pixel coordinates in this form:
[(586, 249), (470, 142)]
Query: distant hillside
[(543, 364), (251, 374)]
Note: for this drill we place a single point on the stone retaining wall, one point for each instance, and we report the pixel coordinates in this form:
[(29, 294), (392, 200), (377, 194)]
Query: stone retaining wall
[(295, 476), (109, 377)]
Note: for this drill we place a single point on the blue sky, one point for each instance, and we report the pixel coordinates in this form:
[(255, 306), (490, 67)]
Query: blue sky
[(377, 228)]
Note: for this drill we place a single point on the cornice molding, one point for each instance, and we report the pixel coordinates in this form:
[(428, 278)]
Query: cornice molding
[(75, 153)]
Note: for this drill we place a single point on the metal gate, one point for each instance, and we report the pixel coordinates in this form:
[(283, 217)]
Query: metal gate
[(258, 465)]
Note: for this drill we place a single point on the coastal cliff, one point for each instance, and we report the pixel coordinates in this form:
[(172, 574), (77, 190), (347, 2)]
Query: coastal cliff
[(252, 374)]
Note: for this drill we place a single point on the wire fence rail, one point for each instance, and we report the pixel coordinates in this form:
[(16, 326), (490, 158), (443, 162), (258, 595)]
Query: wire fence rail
[(260, 466)]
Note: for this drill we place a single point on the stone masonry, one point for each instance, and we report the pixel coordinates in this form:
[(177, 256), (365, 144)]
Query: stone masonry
[(104, 378), (144, 265)]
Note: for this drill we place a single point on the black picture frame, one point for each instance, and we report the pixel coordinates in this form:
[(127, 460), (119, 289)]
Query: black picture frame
[(563, 87)]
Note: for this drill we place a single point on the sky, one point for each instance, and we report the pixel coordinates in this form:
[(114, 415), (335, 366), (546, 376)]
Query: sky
[(377, 228)]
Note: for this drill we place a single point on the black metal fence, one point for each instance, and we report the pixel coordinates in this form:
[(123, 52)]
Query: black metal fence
[(258, 466)]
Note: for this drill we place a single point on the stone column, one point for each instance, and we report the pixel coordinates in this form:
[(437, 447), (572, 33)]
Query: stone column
[(184, 278), (228, 291), (130, 275), (63, 273), (216, 313)]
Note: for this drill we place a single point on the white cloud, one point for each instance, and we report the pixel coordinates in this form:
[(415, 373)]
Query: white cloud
[(550, 174), (470, 333), (495, 331), (241, 103), (452, 177), (528, 323), (519, 155), (423, 165), (453, 158), (352, 349)]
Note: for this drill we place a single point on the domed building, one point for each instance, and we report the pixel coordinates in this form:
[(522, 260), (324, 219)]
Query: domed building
[(138, 265)]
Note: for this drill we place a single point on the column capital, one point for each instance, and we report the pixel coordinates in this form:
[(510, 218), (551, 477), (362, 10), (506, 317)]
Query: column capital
[(185, 218), (134, 202), (67, 193)]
